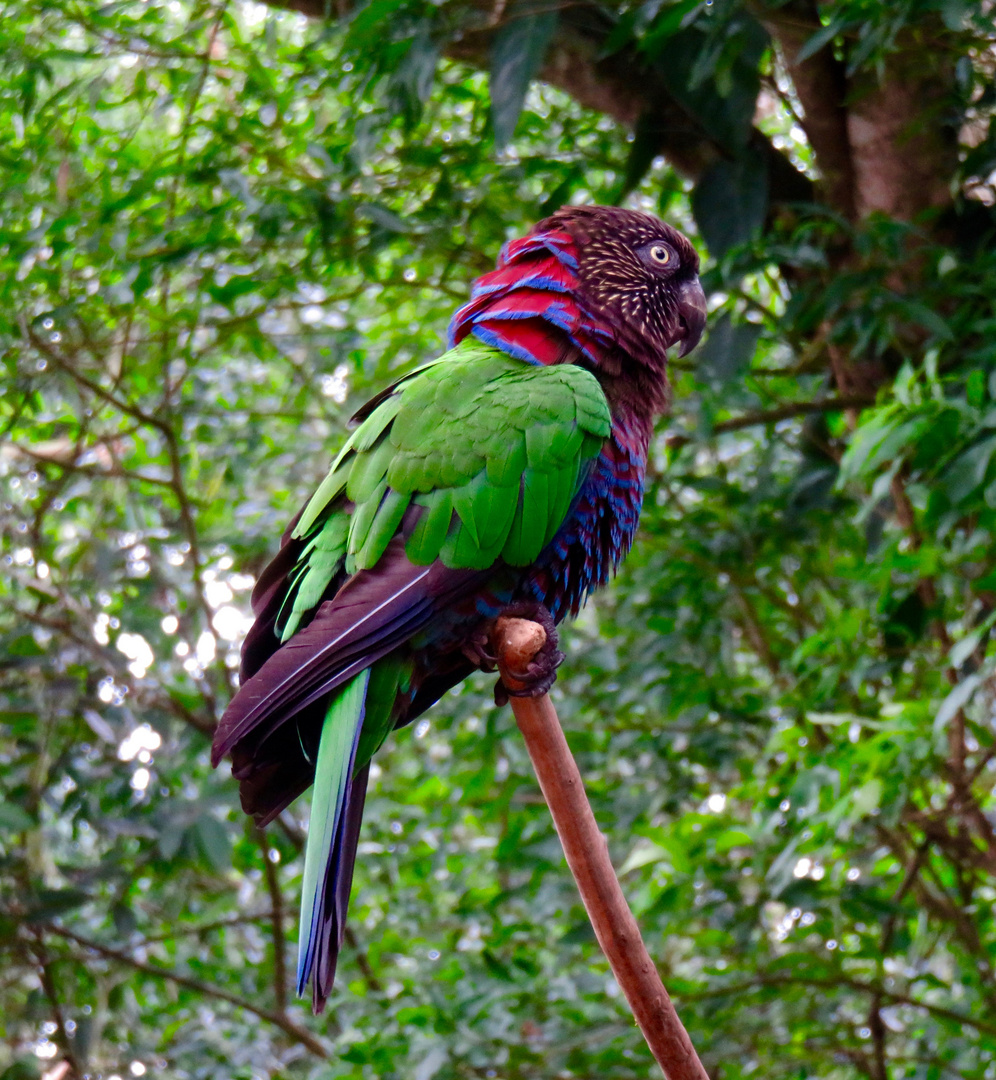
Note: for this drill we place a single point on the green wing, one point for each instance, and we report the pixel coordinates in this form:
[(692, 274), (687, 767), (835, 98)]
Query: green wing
[(491, 449)]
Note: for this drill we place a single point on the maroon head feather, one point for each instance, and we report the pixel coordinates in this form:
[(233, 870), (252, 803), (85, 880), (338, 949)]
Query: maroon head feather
[(636, 275)]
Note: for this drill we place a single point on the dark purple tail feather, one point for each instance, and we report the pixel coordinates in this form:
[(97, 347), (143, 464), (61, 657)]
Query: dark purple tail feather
[(275, 771), (306, 670), (338, 883), (267, 598), (370, 615)]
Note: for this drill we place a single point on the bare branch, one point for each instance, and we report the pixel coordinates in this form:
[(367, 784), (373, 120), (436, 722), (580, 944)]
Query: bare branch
[(276, 920), (516, 642), (774, 416), (205, 928), (838, 980), (48, 987), (822, 88), (621, 84), (277, 1018), (363, 962)]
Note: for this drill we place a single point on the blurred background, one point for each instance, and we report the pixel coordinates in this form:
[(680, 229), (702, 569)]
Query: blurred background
[(223, 226)]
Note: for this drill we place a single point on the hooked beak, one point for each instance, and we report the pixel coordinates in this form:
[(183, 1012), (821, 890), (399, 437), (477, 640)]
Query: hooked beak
[(691, 314)]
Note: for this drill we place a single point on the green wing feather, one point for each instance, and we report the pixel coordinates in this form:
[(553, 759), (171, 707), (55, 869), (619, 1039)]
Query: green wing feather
[(387, 677), (492, 450)]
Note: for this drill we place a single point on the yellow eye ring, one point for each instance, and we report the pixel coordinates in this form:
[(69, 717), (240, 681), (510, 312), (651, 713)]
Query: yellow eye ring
[(660, 255)]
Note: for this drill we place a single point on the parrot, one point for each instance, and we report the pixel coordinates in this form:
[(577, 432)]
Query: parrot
[(504, 478)]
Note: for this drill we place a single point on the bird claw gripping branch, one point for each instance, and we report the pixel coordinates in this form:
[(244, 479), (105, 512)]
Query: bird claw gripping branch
[(541, 672), (506, 475)]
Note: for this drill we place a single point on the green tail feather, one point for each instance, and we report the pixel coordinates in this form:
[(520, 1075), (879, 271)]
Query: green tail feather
[(336, 754), (358, 720)]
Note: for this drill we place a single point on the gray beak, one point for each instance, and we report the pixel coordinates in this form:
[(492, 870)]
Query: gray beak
[(691, 314)]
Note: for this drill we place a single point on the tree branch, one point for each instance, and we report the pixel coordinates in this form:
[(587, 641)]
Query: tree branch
[(277, 1018), (48, 987), (838, 980), (516, 642), (774, 416), (794, 408), (821, 84), (622, 85), (363, 961), (276, 921), (204, 928)]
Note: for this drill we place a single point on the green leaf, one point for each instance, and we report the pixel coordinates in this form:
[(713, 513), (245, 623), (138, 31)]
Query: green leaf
[(124, 919), (644, 854), (516, 55), (956, 700), (647, 141), (727, 350), (411, 82), (730, 202), (867, 798), (213, 840), (621, 34), (688, 65), (927, 318), (580, 933), (369, 19), (48, 903), (385, 218), (672, 18), (27, 1068), (968, 471), (732, 838), (24, 645), (14, 819), (822, 37), (431, 1064), (169, 841)]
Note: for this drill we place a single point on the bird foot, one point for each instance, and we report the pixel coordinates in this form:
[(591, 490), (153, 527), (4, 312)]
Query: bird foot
[(477, 649), (540, 672)]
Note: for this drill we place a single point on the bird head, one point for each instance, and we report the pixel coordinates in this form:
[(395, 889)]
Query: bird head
[(638, 276)]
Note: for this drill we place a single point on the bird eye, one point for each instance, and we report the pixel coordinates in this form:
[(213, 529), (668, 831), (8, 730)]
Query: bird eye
[(657, 255)]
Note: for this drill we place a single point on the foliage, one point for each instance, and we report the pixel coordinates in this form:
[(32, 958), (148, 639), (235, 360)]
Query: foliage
[(222, 228)]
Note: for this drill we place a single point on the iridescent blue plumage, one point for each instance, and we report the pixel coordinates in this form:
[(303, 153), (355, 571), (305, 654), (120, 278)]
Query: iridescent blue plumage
[(598, 532)]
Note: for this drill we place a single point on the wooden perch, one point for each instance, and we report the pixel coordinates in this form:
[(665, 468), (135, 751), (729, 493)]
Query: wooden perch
[(515, 642)]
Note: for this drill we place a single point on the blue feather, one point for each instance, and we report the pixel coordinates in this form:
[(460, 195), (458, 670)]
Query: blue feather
[(497, 341)]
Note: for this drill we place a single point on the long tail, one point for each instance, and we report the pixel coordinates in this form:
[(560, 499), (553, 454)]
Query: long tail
[(336, 810)]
